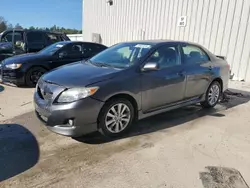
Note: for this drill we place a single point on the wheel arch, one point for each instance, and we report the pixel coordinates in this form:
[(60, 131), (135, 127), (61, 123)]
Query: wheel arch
[(218, 79), (36, 66), (126, 96), (32, 67)]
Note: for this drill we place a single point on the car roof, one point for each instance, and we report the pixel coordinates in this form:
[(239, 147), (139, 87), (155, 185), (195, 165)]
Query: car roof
[(161, 41), (72, 42), (55, 32)]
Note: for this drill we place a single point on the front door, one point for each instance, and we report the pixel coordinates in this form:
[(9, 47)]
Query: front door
[(198, 70), (166, 85), (68, 54)]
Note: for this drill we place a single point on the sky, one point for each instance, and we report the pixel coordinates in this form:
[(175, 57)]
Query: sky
[(43, 13)]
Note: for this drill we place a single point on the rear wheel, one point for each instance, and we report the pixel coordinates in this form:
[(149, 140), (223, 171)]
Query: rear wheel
[(212, 95), (33, 76), (116, 117)]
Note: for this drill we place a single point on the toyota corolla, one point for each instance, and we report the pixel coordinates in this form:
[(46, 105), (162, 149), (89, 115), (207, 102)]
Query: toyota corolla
[(127, 82)]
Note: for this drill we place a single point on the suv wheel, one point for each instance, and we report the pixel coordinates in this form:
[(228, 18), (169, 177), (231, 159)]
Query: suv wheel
[(116, 117), (212, 95)]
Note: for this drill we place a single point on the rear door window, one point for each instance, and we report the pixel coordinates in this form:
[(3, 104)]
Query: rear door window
[(52, 38), (36, 41), (194, 55), (35, 37)]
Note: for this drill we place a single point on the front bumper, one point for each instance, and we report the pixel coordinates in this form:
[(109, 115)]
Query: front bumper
[(84, 114), (13, 76)]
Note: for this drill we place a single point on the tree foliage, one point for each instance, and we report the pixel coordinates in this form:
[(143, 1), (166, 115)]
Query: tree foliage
[(5, 25), (58, 29)]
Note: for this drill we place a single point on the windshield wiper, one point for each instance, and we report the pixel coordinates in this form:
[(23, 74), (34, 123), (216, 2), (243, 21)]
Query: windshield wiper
[(99, 64)]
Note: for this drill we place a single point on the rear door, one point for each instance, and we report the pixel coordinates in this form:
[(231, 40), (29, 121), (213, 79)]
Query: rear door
[(166, 85), (198, 70)]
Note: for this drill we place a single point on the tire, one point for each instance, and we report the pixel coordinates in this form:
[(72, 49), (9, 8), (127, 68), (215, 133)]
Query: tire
[(111, 130), (212, 95), (33, 76)]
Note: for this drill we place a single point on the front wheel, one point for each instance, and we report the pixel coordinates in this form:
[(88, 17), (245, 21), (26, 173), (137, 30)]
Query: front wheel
[(212, 95), (33, 76), (116, 117)]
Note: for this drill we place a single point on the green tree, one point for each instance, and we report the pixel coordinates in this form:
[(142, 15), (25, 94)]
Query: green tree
[(17, 26), (3, 24), (32, 28)]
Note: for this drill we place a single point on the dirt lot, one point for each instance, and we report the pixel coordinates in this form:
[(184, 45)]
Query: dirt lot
[(185, 148), (14, 101)]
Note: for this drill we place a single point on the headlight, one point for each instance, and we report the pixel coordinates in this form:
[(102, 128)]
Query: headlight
[(75, 94), (13, 66)]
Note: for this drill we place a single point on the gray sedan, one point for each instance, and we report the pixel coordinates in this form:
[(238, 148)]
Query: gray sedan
[(127, 82)]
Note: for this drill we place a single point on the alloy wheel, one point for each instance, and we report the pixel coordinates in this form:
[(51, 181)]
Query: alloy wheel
[(117, 118), (213, 94)]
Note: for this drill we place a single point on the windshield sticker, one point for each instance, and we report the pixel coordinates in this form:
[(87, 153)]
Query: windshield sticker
[(59, 45), (142, 46)]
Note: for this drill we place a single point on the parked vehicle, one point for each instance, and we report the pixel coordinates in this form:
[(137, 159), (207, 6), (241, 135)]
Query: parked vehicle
[(127, 82), (26, 69), (21, 41)]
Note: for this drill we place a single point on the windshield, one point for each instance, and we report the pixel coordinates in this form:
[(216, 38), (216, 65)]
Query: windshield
[(122, 55), (50, 50)]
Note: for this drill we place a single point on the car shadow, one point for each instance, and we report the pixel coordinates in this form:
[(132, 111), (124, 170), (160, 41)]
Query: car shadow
[(19, 150), (173, 118), (1, 88)]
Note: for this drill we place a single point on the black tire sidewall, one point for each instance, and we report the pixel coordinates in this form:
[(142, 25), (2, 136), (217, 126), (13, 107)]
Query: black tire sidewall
[(102, 127), (27, 76)]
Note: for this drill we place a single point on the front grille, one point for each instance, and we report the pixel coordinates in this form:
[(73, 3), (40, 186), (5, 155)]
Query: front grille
[(44, 90), (47, 91)]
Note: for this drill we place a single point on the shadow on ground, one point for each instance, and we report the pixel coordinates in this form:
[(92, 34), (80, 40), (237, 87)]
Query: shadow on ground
[(177, 117), (1, 88), (19, 150)]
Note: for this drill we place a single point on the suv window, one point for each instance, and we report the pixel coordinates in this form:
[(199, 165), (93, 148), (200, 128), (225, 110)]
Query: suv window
[(35, 37), (194, 55), (53, 38), (18, 40), (18, 36), (165, 56)]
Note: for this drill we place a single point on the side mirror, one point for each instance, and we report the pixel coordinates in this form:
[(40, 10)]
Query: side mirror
[(62, 54), (150, 66)]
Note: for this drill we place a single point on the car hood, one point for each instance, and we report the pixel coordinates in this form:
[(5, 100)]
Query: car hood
[(79, 75), (25, 58)]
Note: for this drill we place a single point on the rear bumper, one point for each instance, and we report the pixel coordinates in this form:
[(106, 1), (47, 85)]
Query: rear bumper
[(84, 114)]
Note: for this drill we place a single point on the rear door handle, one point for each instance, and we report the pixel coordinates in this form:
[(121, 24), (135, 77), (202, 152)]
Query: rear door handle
[(210, 67)]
